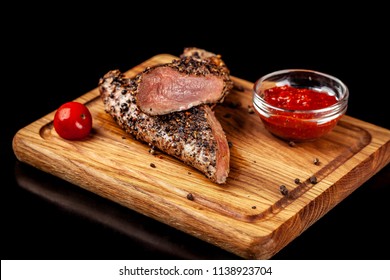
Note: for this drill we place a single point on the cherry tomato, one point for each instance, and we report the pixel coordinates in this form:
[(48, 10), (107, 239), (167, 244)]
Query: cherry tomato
[(73, 121)]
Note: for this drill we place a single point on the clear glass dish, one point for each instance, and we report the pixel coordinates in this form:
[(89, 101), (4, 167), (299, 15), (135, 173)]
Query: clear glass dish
[(300, 104)]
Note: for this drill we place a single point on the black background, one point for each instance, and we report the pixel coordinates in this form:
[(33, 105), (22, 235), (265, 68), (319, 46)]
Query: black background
[(56, 56)]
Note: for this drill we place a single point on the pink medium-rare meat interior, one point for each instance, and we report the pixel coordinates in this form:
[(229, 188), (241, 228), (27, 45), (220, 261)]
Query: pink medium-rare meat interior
[(164, 90)]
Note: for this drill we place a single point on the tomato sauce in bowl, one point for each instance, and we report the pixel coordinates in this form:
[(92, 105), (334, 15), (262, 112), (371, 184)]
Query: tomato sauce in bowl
[(298, 104)]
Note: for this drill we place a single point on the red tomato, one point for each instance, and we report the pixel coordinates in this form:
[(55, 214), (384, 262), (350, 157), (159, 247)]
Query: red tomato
[(73, 121)]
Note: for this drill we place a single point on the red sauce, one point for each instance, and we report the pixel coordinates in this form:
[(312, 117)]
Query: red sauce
[(292, 98), (297, 125)]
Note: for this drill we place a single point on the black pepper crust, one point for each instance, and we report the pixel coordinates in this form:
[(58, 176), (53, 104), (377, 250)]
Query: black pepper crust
[(187, 135), (191, 66)]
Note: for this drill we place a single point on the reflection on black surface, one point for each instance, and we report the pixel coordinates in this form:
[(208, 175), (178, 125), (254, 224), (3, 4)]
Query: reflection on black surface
[(136, 236), (53, 219)]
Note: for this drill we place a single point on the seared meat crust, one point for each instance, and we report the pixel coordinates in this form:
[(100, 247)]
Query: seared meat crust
[(194, 136)]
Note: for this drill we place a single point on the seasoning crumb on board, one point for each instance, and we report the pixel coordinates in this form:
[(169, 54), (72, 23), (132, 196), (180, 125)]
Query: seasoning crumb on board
[(316, 161), (234, 104), (297, 181), (291, 144), (283, 189), (313, 179), (153, 165), (238, 87), (190, 196)]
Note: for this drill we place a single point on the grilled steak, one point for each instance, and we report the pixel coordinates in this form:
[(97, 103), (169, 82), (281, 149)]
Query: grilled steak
[(198, 77), (194, 136)]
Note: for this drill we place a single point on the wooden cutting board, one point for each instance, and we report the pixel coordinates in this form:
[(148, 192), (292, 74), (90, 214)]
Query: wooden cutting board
[(248, 216)]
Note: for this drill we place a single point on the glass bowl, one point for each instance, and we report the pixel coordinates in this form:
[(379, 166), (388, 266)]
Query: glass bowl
[(299, 104)]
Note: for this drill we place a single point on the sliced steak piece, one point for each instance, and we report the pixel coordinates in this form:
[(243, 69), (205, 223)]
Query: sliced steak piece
[(194, 136), (197, 77)]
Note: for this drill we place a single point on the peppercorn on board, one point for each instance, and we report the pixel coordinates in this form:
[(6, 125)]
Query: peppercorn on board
[(274, 192)]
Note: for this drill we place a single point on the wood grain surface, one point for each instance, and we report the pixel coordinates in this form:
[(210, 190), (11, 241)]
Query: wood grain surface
[(248, 216)]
